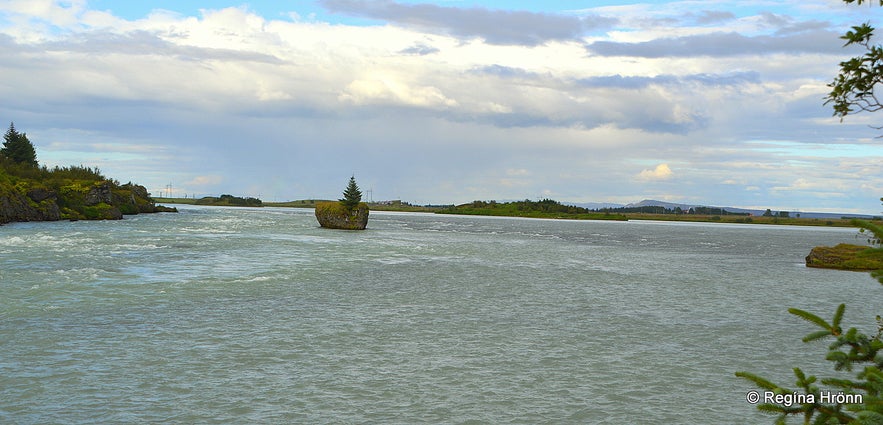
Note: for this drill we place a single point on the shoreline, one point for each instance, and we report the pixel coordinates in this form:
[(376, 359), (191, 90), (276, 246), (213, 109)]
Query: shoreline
[(691, 218)]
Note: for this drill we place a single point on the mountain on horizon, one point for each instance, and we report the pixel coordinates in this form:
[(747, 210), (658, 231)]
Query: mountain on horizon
[(686, 207)]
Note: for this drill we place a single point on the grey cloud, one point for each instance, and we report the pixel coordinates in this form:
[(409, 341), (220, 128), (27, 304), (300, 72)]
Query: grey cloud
[(500, 27), (723, 44), (505, 72), (775, 20), (618, 81), (713, 16), (803, 27), (419, 50), (147, 43)]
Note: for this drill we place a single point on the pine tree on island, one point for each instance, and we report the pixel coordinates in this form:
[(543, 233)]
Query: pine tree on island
[(352, 196), (348, 213)]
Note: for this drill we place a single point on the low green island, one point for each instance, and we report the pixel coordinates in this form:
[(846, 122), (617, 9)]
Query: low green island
[(545, 208)]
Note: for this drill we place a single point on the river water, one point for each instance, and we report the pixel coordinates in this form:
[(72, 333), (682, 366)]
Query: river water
[(224, 315)]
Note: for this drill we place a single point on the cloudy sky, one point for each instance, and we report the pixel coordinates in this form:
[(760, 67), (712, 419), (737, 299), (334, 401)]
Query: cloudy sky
[(712, 102)]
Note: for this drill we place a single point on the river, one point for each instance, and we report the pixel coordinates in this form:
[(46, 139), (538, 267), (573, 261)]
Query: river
[(225, 315)]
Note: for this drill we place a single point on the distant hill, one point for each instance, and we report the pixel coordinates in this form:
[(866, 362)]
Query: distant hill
[(755, 212), (594, 205)]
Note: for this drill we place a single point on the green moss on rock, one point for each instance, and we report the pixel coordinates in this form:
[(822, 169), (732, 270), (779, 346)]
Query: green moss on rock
[(846, 257), (334, 215)]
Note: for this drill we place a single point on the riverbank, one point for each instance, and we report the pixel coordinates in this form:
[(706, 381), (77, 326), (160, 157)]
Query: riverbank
[(31, 193), (589, 215), (861, 258)]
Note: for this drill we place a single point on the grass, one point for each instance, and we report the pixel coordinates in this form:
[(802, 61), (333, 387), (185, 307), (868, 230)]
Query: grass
[(184, 201), (846, 257)]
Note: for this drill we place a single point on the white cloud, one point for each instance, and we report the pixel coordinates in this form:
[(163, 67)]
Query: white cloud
[(442, 111), (661, 172)]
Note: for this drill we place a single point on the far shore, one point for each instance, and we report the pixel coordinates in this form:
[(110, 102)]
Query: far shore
[(731, 219)]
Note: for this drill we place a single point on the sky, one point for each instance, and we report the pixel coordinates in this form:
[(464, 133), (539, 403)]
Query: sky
[(710, 102)]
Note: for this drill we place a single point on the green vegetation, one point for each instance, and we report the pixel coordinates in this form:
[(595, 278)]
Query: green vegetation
[(18, 148), (743, 219), (854, 88), (846, 257), (333, 208), (401, 206), (546, 208), (229, 201), (218, 201), (348, 213), (858, 400), (182, 201), (660, 210), (336, 215), (844, 401), (300, 203), (31, 193), (352, 196)]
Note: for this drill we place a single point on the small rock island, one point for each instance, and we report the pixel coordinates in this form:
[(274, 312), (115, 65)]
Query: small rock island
[(349, 213)]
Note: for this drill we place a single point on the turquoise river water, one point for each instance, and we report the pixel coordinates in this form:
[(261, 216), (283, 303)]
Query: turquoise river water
[(222, 315)]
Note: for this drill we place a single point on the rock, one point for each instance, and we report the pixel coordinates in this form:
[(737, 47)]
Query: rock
[(39, 194), (95, 200), (334, 215), (100, 193), (18, 207)]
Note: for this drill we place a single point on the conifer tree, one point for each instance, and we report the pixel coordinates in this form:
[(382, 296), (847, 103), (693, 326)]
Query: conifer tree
[(352, 195), (17, 147), (839, 400)]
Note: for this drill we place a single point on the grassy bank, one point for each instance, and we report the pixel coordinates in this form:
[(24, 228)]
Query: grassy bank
[(846, 257), (546, 208), (180, 201), (552, 210)]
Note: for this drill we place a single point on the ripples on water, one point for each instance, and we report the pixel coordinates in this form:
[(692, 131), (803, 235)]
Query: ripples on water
[(220, 315)]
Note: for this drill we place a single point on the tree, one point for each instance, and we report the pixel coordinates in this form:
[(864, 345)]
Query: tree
[(854, 88), (17, 147), (859, 400), (352, 195)]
